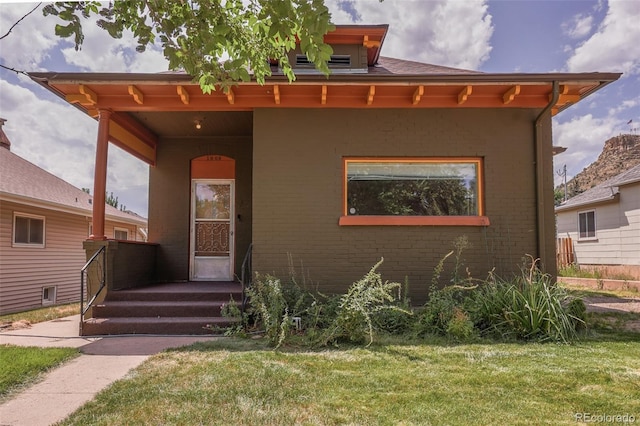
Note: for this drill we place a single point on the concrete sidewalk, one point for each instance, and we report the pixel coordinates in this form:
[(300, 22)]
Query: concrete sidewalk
[(65, 389)]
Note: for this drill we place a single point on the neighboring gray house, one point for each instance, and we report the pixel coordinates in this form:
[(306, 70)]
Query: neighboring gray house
[(604, 224), (43, 222)]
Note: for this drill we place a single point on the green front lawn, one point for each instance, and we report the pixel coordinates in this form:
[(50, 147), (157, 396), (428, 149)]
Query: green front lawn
[(239, 381), (20, 366)]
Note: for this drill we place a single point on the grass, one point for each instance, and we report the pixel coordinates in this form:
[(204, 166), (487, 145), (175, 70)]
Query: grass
[(21, 366), (576, 271), (237, 381), (42, 314)]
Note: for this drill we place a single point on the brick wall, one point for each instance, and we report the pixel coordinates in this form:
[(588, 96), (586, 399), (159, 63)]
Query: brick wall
[(297, 192), (169, 199)]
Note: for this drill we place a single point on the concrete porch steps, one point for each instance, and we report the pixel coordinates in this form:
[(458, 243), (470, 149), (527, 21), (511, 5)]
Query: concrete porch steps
[(155, 325), (173, 308)]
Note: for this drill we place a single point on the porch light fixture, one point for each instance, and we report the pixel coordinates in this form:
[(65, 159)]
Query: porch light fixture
[(198, 124)]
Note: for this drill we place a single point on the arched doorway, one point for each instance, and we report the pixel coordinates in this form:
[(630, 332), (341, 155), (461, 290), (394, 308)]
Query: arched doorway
[(212, 243)]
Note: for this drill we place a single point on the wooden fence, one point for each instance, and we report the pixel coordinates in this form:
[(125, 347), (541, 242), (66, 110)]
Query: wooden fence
[(564, 252)]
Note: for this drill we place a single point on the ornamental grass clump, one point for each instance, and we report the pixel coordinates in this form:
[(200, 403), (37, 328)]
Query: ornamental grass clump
[(529, 307)]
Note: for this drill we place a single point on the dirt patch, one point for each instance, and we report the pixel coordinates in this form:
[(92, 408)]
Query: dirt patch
[(15, 325), (612, 304), (618, 309)]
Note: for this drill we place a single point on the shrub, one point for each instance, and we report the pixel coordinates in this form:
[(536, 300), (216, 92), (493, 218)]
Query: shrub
[(530, 307), (356, 308), (269, 307), (444, 312), (460, 327), (396, 321)]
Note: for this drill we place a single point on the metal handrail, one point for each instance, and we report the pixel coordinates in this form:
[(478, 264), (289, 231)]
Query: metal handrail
[(103, 279), (245, 274)]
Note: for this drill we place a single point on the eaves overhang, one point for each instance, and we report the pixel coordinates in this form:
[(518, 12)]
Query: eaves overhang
[(80, 211), (589, 203), (122, 93)]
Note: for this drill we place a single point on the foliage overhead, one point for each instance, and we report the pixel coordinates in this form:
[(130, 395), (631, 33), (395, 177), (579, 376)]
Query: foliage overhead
[(218, 42)]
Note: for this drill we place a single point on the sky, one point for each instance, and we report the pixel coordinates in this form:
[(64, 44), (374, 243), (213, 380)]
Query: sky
[(496, 36)]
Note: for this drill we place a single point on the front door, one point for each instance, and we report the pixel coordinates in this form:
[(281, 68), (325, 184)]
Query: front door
[(212, 251)]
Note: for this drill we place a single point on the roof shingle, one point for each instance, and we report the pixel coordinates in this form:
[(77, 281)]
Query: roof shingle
[(31, 183), (607, 190)]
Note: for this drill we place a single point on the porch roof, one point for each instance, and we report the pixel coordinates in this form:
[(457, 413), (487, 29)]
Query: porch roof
[(389, 83)]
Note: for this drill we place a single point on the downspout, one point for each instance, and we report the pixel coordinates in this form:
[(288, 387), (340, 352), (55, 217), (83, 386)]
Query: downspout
[(539, 176)]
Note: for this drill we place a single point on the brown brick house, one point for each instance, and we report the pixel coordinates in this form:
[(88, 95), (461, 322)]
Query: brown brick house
[(385, 158), (43, 222)]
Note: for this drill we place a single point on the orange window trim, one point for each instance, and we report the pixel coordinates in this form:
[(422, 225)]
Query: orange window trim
[(480, 220), (414, 220)]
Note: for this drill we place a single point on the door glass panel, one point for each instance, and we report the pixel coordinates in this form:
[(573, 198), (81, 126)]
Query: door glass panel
[(213, 201)]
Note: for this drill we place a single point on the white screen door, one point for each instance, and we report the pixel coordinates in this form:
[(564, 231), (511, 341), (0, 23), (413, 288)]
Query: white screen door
[(212, 251)]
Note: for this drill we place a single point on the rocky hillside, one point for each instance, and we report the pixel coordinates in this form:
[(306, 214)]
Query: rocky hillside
[(619, 154)]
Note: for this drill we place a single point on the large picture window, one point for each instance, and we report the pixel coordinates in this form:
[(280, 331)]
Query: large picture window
[(419, 191), (587, 225), (28, 230)]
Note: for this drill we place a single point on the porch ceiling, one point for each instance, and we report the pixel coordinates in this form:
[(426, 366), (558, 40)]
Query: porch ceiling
[(182, 124)]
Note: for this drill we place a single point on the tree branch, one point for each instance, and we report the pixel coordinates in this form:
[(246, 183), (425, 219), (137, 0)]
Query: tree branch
[(19, 20), (14, 70)]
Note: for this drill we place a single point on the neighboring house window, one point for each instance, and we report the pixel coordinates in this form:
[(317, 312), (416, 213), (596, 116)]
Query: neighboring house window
[(48, 295), (413, 191), (28, 230), (587, 225), (120, 234)]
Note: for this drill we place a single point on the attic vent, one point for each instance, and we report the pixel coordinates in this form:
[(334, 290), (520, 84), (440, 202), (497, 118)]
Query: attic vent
[(336, 61)]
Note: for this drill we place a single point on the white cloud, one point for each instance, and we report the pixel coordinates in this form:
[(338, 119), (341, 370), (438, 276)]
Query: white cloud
[(67, 150), (578, 27), (102, 53), (443, 32), (625, 105), (615, 45), (584, 137), (30, 41)]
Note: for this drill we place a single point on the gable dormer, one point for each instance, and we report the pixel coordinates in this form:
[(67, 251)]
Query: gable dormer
[(355, 49)]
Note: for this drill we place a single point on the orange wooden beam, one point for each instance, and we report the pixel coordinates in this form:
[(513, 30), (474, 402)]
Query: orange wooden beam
[(137, 95), (323, 96), (276, 94), (184, 95), (231, 97), (370, 43), (85, 97), (511, 94), (371, 94), (464, 94), (417, 95)]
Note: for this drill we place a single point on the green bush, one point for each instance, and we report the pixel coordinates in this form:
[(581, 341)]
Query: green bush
[(269, 308), (396, 321), (530, 307), (460, 327), (527, 307), (444, 311), (365, 298)]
